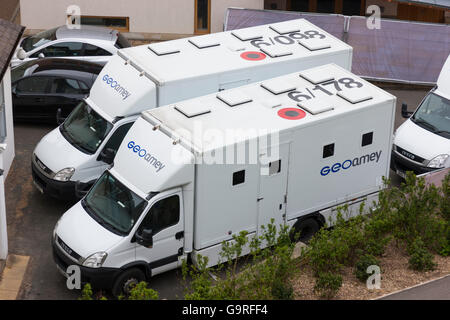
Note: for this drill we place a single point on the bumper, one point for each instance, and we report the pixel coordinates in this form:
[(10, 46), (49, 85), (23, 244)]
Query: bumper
[(100, 278), (57, 189), (401, 165)]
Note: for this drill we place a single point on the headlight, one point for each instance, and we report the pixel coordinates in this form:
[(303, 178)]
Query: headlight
[(438, 162), (64, 174), (95, 260)]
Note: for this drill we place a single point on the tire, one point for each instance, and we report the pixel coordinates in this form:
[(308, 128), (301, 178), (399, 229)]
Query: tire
[(305, 229), (126, 281)]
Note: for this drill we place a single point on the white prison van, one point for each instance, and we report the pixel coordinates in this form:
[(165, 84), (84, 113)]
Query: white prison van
[(145, 77), (190, 175), (422, 142)]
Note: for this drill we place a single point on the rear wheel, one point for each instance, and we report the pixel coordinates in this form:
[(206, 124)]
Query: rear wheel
[(126, 281), (304, 230)]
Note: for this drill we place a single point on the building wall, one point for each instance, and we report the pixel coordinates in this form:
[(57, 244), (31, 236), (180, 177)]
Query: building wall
[(7, 155), (153, 16), (147, 16), (219, 7)]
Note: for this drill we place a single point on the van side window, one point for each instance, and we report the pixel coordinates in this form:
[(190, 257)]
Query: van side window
[(163, 214), (238, 177), (117, 137), (328, 150), (367, 139), (274, 167)]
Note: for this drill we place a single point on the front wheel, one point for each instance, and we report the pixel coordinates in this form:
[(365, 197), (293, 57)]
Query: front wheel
[(126, 281), (304, 230)]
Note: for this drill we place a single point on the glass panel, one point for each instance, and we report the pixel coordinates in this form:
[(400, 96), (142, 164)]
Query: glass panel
[(67, 86), (85, 129), (202, 15), (118, 22), (113, 205), (39, 39), (163, 214), (65, 49), (34, 85), (434, 115), (351, 8), (91, 50), (325, 6)]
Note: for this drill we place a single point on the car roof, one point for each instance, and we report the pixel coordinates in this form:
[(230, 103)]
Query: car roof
[(77, 75), (65, 64), (87, 32)]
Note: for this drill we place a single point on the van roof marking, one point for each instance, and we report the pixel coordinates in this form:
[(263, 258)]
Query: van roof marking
[(247, 34), (203, 42), (163, 48), (192, 109), (278, 86), (314, 44), (316, 106), (354, 95), (233, 97), (283, 29), (317, 75), (276, 51)]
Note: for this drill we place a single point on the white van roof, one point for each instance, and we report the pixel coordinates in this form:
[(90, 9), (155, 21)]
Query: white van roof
[(443, 82), (279, 104), (232, 50)]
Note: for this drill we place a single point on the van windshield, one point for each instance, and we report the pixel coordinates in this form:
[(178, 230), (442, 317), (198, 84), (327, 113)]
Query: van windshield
[(113, 205), (85, 129), (434, 115), (39, 39)]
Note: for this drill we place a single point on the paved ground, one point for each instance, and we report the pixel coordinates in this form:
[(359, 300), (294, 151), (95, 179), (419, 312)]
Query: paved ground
[(31, 218), (435, 290)]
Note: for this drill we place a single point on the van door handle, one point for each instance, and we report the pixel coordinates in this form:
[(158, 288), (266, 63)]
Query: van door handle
[(179, 235), (259, 199)]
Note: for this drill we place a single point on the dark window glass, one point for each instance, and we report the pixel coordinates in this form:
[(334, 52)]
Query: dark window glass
[(274, 167), (163, 214), (84, 87), (113, 22), (238, 177), (300, 5), (367, 139), (64, 49), (32, 85), (65, 86), (328, 150), (325, 6), (351, 7), (91, 50), (117, 137), (202, 15)]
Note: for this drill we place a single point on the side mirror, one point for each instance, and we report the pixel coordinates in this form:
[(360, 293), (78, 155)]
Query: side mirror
[(13, 90), (59, 119), (41, 55), (107, 155), (405, 113), (145, 237), (21, 54)]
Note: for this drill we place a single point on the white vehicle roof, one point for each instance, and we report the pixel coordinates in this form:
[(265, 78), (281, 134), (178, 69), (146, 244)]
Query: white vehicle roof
[(87, 32), (443, 82), (280, 104), (233, 50)]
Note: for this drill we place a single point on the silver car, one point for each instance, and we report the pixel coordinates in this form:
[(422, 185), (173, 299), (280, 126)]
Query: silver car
[(89, 43)]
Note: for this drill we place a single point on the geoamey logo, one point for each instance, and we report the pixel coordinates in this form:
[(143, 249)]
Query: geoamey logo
[(116, 86), (144, 154), (374, 156)]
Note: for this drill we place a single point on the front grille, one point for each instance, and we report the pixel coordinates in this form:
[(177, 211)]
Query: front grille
[(42, 167), (68, 250), (409, 155)]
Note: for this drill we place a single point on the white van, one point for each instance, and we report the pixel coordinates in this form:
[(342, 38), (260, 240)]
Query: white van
[(145, 77), (191, 175), (422, 143)]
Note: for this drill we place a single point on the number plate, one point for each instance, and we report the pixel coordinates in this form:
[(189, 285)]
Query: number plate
[(401, 174)]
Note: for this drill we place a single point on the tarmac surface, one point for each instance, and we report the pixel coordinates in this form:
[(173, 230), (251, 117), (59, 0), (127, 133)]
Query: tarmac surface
[(31, 218), (433, 290)]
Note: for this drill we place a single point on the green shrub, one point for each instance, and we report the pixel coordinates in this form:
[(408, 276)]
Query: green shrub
[(328, 284), (362, 264), (86, 292), (141, 292), (420, 257)]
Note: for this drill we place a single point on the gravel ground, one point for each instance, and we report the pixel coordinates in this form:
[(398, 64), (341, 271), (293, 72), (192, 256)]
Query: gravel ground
[(395, 275)]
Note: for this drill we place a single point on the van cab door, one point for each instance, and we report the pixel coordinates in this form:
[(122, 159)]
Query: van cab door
[(164, 223)]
